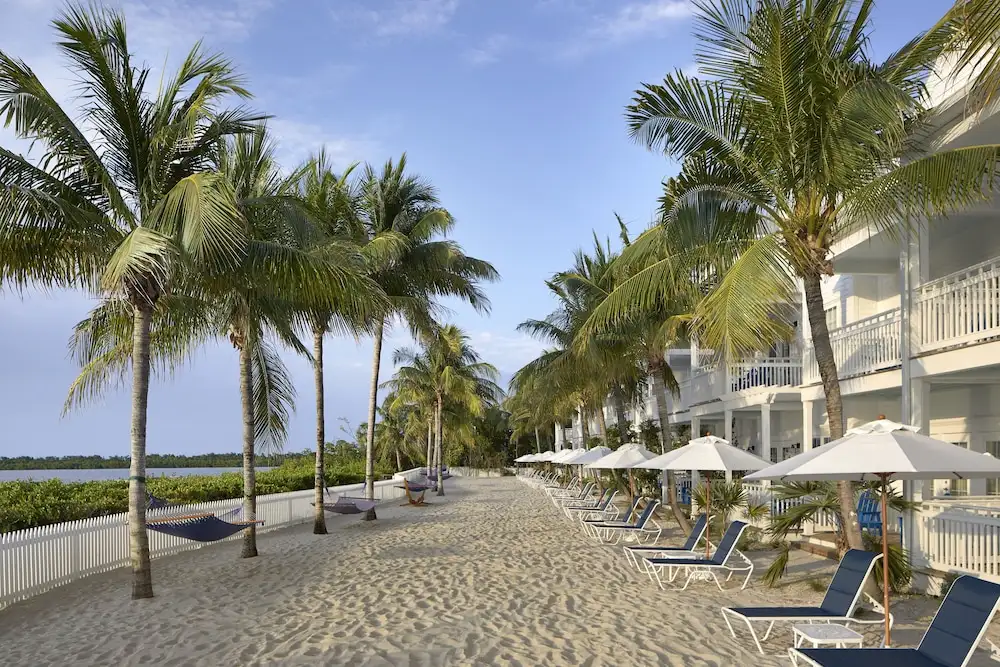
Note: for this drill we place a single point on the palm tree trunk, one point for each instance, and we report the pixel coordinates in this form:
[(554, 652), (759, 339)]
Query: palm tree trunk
[(430, 445), (439, 444), (660, 393), (142, 575), (538, 442), (372, 405), (249, 452), (584, 428), (827, 364), (602, 425), (619, 406), (399, 461), (319, 522)]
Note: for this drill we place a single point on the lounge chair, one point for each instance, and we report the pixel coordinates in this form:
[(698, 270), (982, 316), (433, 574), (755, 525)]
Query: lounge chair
[(614, 532), (951, 639), (838, 606), (583, 497), (701, 568), (610, 514), (572, 511), (634, 553)]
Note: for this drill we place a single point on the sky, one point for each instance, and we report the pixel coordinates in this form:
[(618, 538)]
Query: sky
[(513, 109)]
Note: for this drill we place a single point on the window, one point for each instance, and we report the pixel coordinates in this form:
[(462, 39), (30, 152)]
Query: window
[(832, 318), (993, 485)]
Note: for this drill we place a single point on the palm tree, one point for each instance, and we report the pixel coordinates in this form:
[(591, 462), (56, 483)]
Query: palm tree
[(125, 202), (332, 202), (399, 432), (407, 208), (448, 369), (795, 144)]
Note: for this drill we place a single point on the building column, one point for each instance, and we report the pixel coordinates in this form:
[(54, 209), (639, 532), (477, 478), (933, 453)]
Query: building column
[(765, 431), (727, 428), (808, 425), (560, 436), (695, 355), (695, 477)]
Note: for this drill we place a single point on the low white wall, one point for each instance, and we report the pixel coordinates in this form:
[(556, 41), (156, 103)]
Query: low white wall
[(38, 559)]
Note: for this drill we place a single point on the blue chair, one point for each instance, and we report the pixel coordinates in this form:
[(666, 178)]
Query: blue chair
[(870, 513), (697, 532), (623, 518), (706, 567), (615, 531), (838, 605), (952, 637)]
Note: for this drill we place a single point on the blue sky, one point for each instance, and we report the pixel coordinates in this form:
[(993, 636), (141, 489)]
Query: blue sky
[(512, 108)]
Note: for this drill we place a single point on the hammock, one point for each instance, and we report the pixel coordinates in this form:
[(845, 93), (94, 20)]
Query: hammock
[(203, 527), (411, 493), (349, 505)]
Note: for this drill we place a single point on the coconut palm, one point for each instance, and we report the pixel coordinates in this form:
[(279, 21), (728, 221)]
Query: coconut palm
[(124, 201), (427, 267), (276, 289), (332, 202), (448, 369), (400, 433), (796, 143)]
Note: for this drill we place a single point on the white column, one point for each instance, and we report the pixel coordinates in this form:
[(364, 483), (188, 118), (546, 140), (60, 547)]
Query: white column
[(765, 431), (728, 430), (920, 406), (560, 436), (695, 477), (694, 354), (808, 425)]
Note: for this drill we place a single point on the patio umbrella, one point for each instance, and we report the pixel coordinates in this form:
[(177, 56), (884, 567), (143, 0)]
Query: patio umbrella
[(707, 453), (590, 455), (561, 457), (883, 450), (625, 457), (525, 458)]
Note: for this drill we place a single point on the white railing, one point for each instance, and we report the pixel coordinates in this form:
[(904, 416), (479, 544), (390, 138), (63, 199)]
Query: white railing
[(459, 471), (962, 307), (861, 347), (779, 372), (705, 385), (38, 559), (758, 493), (959, 538)]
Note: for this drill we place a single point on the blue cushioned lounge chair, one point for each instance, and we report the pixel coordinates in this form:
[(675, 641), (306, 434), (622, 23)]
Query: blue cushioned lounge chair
[(838, 605), (950, 641), (634, 553), (615, 531), (702, 568)]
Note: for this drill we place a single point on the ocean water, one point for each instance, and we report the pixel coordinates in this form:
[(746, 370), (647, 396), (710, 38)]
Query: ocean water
[(92, 475)]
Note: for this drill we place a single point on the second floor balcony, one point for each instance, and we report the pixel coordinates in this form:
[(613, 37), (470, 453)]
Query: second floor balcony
[(711, 382), (959, 309)]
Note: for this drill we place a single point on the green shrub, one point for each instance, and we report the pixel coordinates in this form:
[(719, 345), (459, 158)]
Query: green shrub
[(27, 504)]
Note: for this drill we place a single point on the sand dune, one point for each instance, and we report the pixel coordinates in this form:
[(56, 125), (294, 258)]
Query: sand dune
[(488, 575)]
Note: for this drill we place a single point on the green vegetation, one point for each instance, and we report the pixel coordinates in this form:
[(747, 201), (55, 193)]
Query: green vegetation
[(95, 462), (27, 504)]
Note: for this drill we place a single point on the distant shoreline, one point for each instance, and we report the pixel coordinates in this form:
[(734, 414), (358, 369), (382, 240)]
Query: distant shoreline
[(160, 461)]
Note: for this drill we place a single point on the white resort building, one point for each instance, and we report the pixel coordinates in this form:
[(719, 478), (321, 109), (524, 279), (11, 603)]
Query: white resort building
[(913, 317)]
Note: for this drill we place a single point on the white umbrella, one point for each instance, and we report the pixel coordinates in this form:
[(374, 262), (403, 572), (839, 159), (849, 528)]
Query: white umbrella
[(883, 450), (626, 456), (562, 457), (525, 458), (590, 455), (706, 453), (544, 457)]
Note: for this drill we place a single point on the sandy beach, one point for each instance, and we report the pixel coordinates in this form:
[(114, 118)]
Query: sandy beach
[(488, 575)]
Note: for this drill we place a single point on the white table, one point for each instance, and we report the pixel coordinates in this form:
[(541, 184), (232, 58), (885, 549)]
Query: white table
[(819, 634)]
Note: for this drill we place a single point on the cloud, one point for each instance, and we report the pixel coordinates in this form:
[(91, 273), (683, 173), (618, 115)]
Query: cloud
[(297, 140), (507, 352), (175, 25), (405, 17), (631, 21), (489, 50)]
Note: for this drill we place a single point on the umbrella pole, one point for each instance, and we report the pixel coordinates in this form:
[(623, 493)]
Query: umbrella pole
[(885, 556), (708, 511), (631, 487)]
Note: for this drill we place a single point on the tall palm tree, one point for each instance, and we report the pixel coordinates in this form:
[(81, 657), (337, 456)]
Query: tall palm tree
[(124, 202), (448, 369), (428, 266), (795, 144), (332, 202)]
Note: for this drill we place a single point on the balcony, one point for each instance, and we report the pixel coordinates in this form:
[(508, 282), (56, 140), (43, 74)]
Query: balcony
[(959, 309), (711, 382)]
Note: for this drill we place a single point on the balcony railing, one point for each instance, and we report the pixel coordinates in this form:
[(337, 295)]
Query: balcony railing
[(861, 347), (960, 308), (765, 373)]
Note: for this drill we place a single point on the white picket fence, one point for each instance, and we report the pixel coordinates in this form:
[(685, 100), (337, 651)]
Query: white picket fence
[(955, 537), (38, 559)]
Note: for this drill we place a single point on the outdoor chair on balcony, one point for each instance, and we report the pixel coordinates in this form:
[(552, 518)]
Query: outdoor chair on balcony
[(702, 568), (838, 605), (614, 532), (950, 641), (687, 550)]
